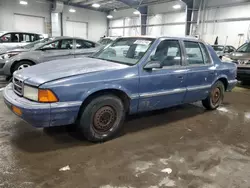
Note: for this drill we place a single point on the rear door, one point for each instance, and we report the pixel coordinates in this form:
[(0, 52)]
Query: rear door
[(84, 48), (60, 49), (200, 71)]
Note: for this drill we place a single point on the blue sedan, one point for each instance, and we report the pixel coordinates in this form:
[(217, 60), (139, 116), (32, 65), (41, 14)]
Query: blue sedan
[(131, 75)]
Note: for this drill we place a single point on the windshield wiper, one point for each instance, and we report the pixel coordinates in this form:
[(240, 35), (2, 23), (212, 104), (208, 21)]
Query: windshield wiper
[(130, 64)]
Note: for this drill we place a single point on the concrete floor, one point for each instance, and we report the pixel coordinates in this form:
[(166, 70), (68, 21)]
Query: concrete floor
[(184, 146)]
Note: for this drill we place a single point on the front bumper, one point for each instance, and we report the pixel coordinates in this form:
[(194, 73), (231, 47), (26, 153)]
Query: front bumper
[(42, 114), (231, 84), (243, 74)]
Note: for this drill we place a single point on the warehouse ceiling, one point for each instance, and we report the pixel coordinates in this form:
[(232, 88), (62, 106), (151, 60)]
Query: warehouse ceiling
[(109, 5)]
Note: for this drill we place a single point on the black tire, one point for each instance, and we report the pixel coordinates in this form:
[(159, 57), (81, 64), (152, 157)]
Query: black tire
[(107, 109), (17, 65), (215, 96)]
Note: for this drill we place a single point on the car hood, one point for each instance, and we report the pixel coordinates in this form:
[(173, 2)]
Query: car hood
[(53, 70), (239, 56)]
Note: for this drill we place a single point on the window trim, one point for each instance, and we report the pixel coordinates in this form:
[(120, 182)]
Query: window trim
[(209, 57), (182, 63)]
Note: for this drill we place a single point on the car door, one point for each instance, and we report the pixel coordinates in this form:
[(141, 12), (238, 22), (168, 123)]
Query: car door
[(200, 71), (165, 86), (84, 48), (59, 49)]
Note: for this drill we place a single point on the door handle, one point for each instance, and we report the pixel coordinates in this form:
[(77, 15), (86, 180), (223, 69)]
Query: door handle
[(180, 77)]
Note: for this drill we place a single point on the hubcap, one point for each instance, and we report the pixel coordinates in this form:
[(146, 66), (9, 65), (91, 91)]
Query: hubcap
[(23, 66), (216, 95), (104, 119)]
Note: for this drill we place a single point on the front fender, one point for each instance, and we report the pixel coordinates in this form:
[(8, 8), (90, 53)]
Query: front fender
[(108, 87)]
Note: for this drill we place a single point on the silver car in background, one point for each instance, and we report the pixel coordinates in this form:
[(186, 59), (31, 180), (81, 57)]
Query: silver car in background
[(10, 40), (59, 48)]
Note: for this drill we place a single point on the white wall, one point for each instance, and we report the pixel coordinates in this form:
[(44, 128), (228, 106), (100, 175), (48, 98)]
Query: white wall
[(162, 20), (226, 22), (125, 23), (34, 8), (96, 21)]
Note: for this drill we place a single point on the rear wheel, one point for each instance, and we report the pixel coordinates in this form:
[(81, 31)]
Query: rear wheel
[(102, 118), (22, 65), (215, 97)]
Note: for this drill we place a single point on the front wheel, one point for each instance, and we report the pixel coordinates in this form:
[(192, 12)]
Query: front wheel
[(102, 118), (22, 65), (215, 97)]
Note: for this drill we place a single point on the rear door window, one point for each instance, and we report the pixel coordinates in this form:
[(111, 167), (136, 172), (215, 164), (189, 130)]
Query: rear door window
[(6, 38), (194, 53)]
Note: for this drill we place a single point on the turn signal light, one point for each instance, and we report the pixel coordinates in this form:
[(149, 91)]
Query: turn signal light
[(45, 95), (17, 110)]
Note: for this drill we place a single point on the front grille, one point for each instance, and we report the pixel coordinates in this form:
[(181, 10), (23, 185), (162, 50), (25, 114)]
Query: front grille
[(18, 86)]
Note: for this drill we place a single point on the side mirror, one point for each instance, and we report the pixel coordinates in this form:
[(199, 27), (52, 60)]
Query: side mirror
[(43, 49), (153, 65)]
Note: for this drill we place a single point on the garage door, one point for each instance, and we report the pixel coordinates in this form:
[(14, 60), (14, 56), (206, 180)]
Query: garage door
[(29, 23), (76, 29)]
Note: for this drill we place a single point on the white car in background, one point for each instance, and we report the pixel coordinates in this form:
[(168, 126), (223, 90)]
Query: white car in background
[(11, 40)]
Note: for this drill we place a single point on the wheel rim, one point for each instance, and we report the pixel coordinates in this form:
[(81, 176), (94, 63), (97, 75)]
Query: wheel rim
[(104, 119), (216, 95), (23, 66)]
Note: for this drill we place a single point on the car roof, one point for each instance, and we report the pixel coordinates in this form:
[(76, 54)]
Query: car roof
[(68, 37), (189, 38), (3, 32)]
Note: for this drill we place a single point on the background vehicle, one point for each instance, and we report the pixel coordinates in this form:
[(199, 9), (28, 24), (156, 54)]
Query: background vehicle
[(242, 58), (9, 40), (107, 40), (60, 48), (223, 50), (97, 92)]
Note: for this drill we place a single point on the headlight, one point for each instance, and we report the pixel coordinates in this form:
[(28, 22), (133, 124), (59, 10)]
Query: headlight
[(40, 95), (30, 93), (8, 55)]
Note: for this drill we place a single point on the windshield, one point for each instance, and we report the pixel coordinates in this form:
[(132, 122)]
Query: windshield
[(125, 50), (37, 43), (218, 48), (244, 48), (105, 41)]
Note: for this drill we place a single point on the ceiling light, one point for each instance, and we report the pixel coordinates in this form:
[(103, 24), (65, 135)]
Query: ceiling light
[(72, 10), (177, 6), (96, 5), (109, 16), (23, 2), (136, 12)]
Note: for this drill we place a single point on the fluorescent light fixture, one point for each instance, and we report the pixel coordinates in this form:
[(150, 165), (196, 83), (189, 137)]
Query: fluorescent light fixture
[(23, 2), (72, 10), (109, 16), (177, 6), (96, 5), (136, 12)]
